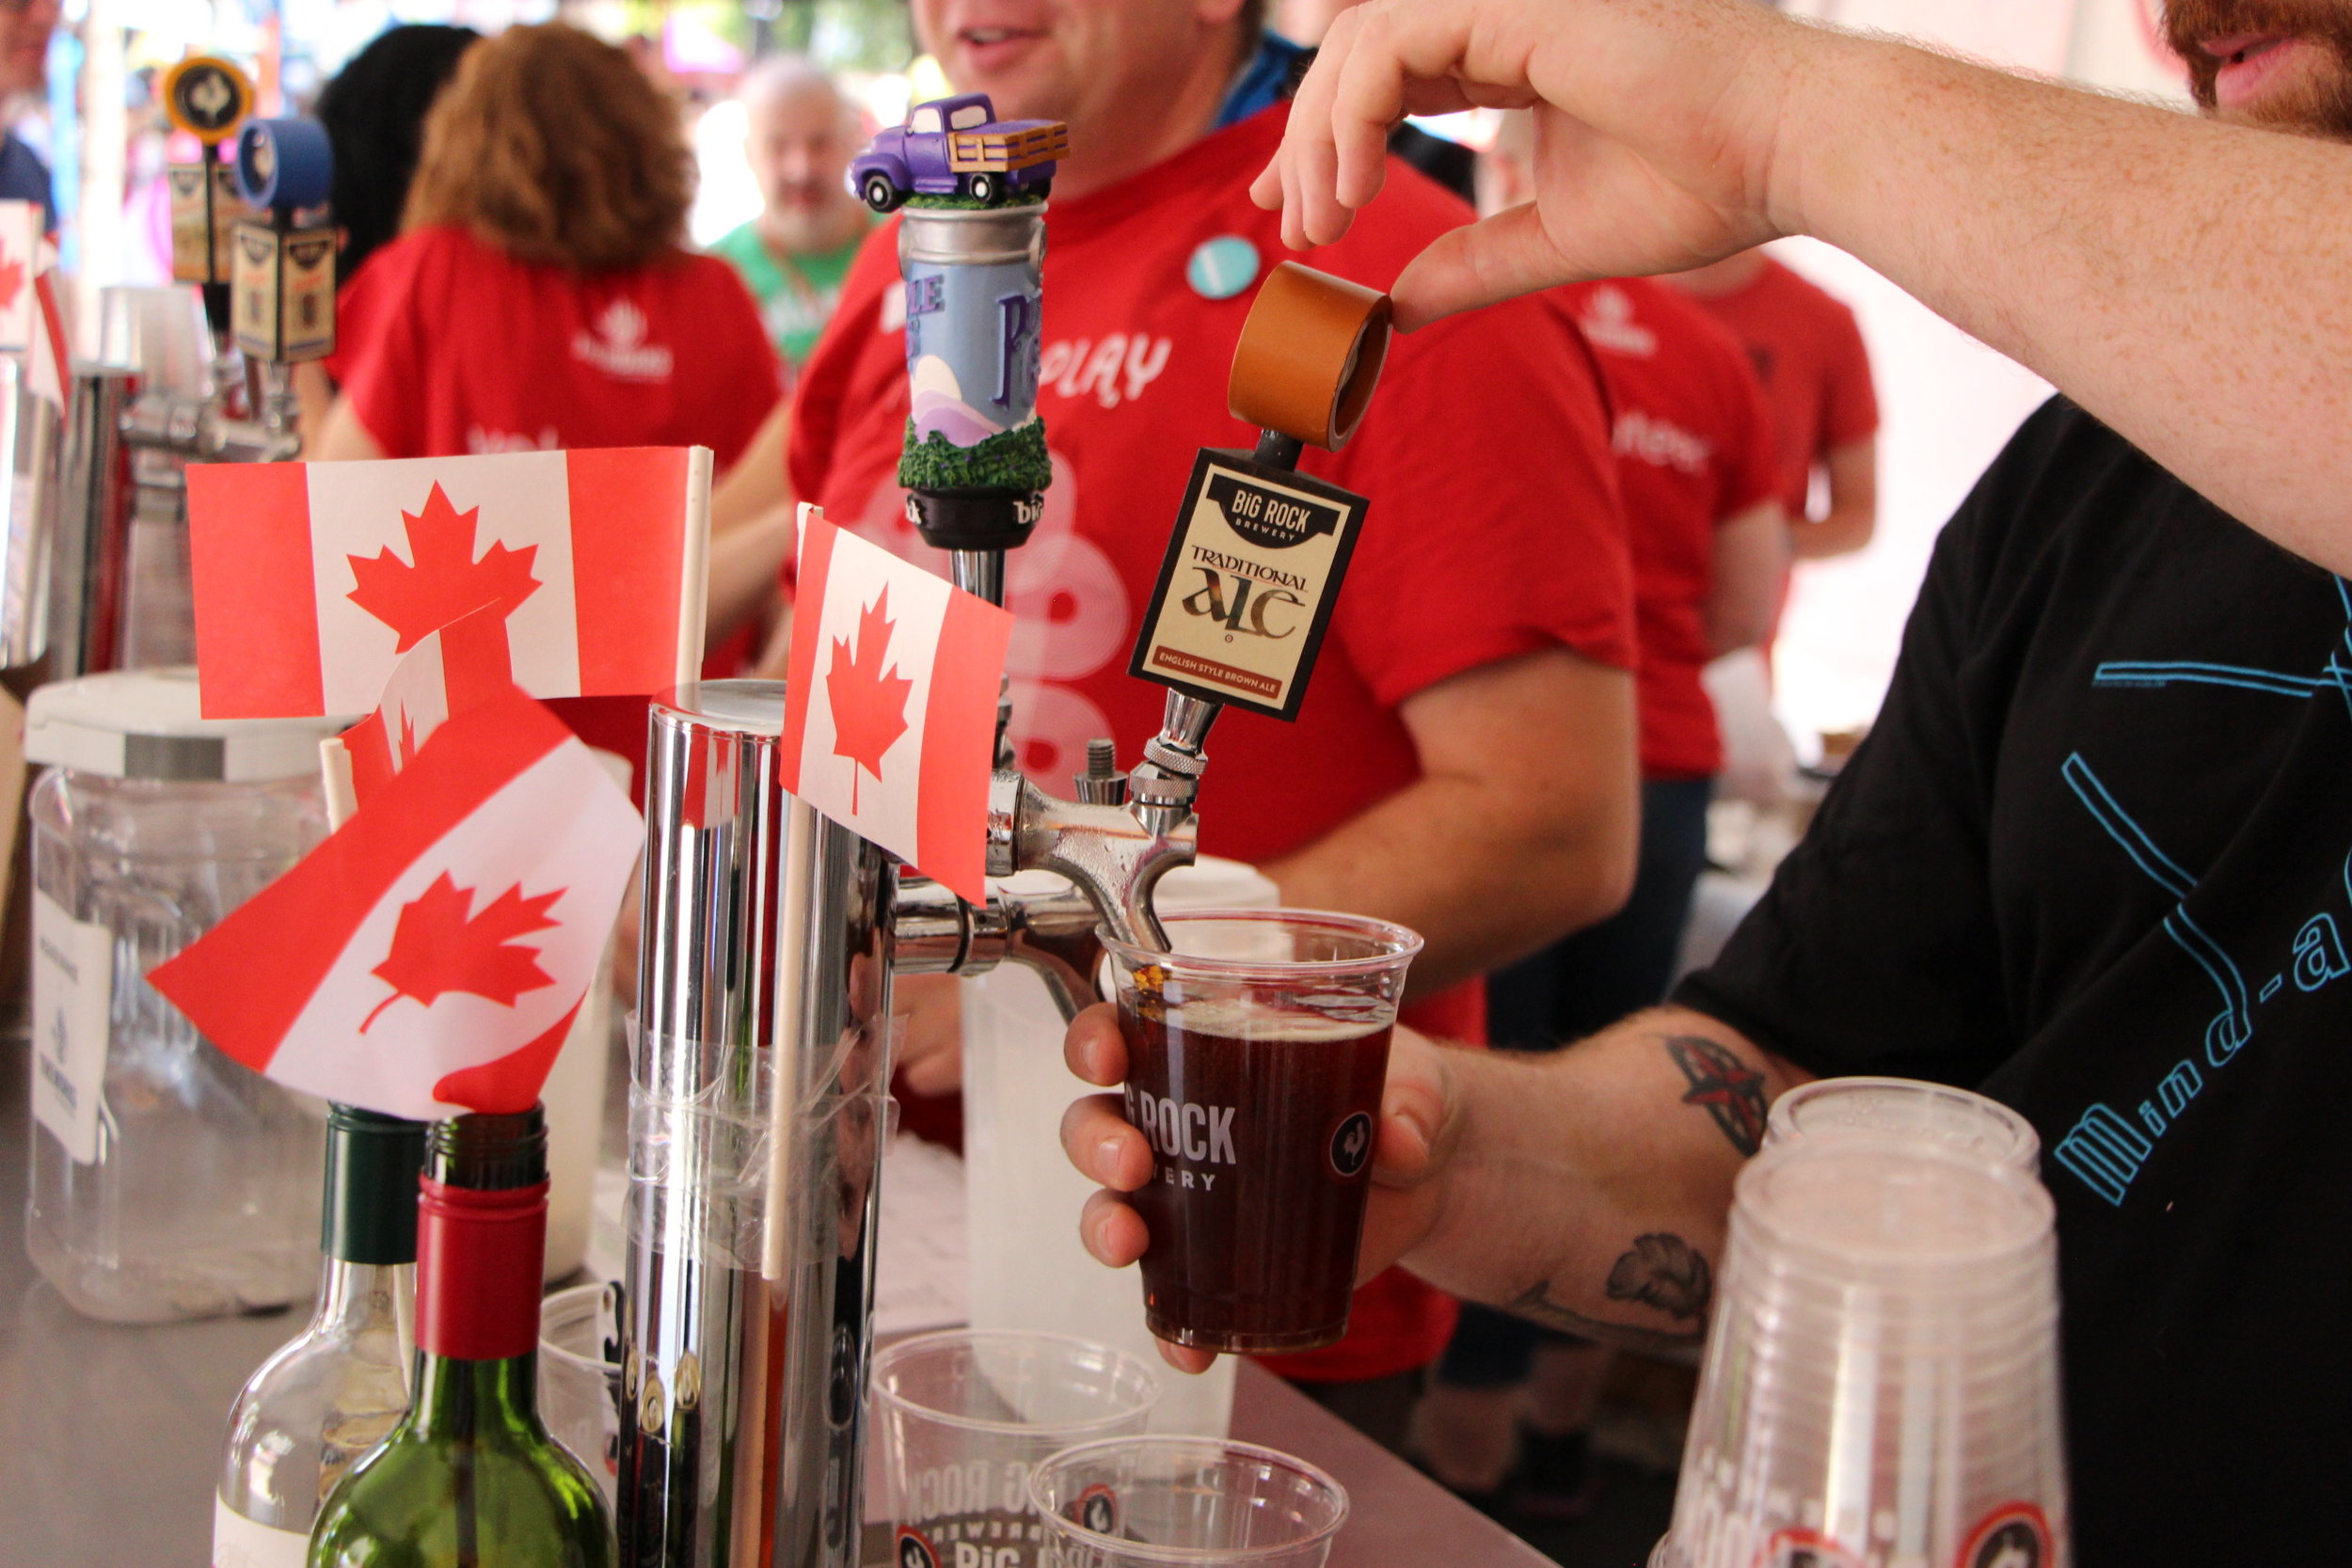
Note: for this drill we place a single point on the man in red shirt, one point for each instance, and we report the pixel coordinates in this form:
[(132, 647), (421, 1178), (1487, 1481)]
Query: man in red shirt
[(1465, 762), (1809, 354)]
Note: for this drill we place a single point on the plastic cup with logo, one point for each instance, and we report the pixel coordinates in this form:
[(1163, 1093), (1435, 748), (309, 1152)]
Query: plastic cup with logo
[(1256, 1052), (1030, 1269), (579, 1377), (963, 1415), (1882, 1377), (1905, 1108), (1158, 1502)]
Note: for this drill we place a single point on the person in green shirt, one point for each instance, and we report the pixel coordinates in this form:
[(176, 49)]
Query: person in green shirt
[(801, 134)]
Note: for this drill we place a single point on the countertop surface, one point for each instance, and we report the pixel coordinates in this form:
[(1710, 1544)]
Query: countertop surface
[(111, 1434)]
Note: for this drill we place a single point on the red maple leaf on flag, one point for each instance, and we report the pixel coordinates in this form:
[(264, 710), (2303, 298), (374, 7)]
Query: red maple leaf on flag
[(869, 703), (437, 949), (11, 279), (441, 580)]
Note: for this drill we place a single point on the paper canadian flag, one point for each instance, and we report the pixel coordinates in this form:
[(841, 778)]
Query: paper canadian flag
[(312, 578), (30, 322), (21, 224), (890, 702), (428, 958), (459, 667)]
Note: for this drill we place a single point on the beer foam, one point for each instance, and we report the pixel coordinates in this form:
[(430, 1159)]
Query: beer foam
[(1306, 1022)]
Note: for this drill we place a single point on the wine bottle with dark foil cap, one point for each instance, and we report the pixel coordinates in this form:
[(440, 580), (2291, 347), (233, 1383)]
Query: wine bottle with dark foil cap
[(332, 1392), (471, 1477)]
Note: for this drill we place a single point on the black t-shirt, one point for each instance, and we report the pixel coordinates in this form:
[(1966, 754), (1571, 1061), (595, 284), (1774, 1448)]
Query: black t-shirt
[(2092, 859)]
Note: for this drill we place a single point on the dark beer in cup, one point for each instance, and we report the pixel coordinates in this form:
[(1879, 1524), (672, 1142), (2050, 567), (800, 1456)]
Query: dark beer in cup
[(1256, 1056)]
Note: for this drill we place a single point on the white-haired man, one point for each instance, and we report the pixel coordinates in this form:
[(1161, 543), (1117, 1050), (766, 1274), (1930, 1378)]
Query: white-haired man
[(800, 133)]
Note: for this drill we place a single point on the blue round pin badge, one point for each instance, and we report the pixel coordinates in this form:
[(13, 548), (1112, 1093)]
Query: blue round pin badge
[(1222, 267)]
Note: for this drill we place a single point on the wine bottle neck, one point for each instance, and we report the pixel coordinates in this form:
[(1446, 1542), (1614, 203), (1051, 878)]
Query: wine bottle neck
[(370, 1212), (476, 1400), (482, 1236), (355, 1297), (479, 1256)]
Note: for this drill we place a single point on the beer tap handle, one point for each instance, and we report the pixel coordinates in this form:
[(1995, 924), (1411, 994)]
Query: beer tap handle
[(1243, 597), (1247, 588)]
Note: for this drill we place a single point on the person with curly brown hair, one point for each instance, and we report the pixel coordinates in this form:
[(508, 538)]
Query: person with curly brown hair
[(540, 295)]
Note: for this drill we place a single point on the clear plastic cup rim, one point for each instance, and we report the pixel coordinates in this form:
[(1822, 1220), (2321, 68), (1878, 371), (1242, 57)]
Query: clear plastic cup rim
[(1936, 1333), (2024, 1287), (1763, 1344), (2009, 1138), (570, 1305), (2018, 1370), (1839, 1359), (1986, 1294), (1120, 1361), (1783, 1237), (1220, 1447), (1892, 1323), (1394, 946)]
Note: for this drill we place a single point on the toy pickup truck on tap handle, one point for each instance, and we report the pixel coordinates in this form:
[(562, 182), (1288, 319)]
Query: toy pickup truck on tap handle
[(956, 147)]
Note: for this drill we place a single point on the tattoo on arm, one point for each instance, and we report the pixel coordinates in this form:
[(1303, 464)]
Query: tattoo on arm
[(1732, 1091), (1663, 1271)]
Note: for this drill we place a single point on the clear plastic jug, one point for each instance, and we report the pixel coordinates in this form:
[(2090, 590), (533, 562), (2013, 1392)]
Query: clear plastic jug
[(166, 1180)]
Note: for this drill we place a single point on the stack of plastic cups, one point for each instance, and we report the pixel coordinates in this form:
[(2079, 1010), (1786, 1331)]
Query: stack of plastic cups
[(1881, 1377), (1906, 1109)]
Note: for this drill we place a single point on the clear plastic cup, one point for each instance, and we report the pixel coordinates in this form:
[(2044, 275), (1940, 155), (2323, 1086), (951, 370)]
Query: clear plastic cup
[(579, 1377), (963, 1415), (1906, 1108), (1160, 1502), (1256, 1054), (1881, 1386)]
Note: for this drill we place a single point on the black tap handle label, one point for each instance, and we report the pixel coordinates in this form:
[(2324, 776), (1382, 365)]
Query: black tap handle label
[(1246, 588)]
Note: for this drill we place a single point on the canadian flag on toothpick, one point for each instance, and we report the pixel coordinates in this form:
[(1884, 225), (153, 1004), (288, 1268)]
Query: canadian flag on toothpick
[(21, 224), (890, 702), (30, 322), (428, 958), (314, 578)]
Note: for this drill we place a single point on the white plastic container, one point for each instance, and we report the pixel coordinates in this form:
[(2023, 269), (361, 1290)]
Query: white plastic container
[(166, 1180), (1029, 1272)]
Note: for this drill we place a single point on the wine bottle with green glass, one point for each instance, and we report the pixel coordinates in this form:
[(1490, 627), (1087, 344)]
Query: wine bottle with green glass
[(471, 1477)]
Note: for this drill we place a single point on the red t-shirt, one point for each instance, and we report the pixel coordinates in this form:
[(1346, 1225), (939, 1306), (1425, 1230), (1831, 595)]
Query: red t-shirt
[(450, 346), (1493, 528), (1695, 449), (1809, 354)]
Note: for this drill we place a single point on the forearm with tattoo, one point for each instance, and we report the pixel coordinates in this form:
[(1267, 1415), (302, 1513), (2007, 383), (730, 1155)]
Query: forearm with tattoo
[(1660, 1272), (1732, 1091), (1590, 1192)]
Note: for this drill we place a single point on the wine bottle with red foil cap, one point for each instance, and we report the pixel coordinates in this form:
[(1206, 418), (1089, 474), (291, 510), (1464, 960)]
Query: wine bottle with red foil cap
[(331, 1393), (471, 1477)]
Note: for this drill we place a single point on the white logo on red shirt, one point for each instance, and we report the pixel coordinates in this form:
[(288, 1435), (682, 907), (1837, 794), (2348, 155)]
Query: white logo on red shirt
[(482, 442), (1608, 323), (618, 346), (1116, 369), (1660, 442)]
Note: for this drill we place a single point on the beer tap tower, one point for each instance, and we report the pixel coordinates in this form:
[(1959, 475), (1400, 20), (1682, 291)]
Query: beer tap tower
[(770, 934), (251, 227)]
